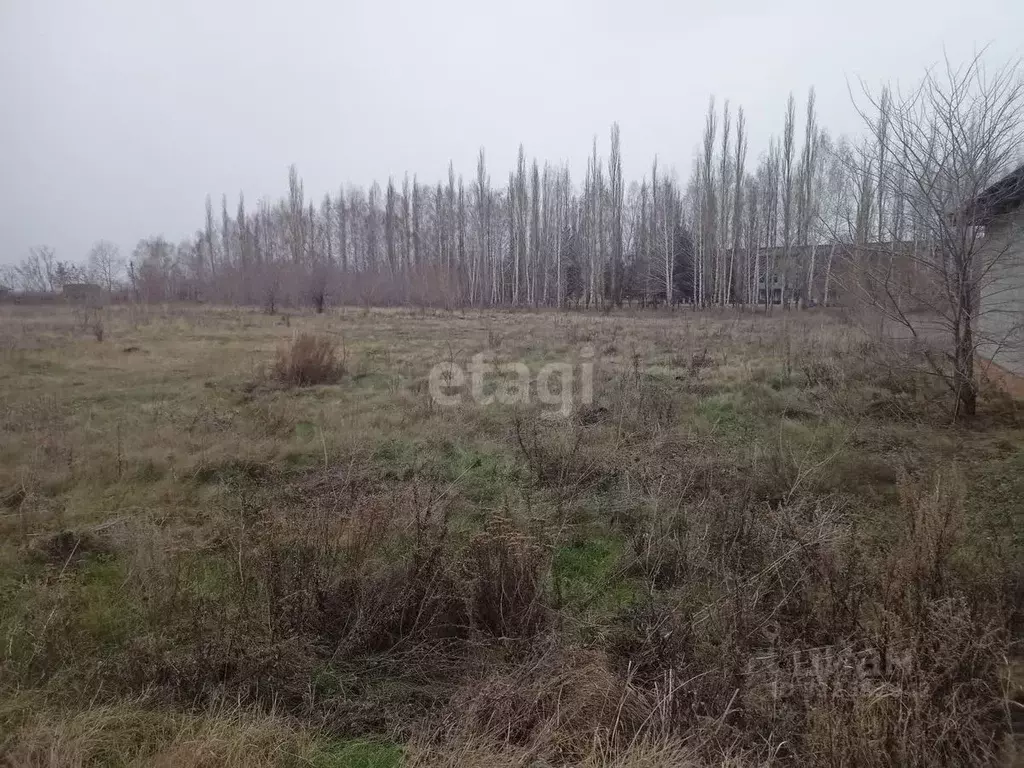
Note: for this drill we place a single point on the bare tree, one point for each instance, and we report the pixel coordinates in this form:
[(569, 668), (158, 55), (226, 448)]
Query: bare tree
[(724, 192), (940, 147), (373, 220), (245, 249), (225, 230), (105, 264), (616, 192), (753, 228), (881, 157), (482, 191), (37, 272), (768, 178), (513, 237), (807, 183), (406, 226), (535, 249), (788, 133), (521, 211), (327, 229), (390, 227), (209, 239), (737, 204), (342, 231), (450, 223), (665, 262), (461, 227), (834, 202), (707, 203), (8, 278), (153, 269), (296, 216)]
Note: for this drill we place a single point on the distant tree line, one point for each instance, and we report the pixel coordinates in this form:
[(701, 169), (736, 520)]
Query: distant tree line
[(719, 237)]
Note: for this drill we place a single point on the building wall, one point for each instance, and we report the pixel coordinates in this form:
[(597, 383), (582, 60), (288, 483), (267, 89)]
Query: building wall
[(83, 292), (1001, 312)]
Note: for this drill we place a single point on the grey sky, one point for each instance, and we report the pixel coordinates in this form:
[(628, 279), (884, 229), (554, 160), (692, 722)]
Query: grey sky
[(119, 116)]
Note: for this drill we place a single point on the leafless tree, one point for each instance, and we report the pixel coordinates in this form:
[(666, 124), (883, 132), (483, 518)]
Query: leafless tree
[(461, 244), (724, 209), (707, 202), (211, 257), (406, 226), (37, 272), (105, 264), (391, 227), (739, 162), (939, 148), (342, 231), (417, 245), (807, 197), (296, 216), (225, 230), (788, 178), (616, 193), (245, 249)]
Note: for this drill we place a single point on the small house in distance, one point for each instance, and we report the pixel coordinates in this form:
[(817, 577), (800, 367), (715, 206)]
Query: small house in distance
[(1000, 326), (83, 293)]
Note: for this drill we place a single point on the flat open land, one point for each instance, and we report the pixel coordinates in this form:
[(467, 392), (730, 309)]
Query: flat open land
[(762, 542)]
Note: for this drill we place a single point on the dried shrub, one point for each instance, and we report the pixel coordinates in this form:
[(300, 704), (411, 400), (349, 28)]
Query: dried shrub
[(132, 734), (823, 372), (69, 547), (559, 458), (505, 572), (557, 703), (933, 530), (308, 360), (315, 589)]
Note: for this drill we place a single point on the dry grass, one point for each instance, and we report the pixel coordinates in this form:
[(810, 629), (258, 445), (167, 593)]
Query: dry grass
[(308, 360), (127, 735), (763, 542)]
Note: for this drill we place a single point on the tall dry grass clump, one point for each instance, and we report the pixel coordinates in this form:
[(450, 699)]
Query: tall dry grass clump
[(131, 734), (505, 569), (308, 360)]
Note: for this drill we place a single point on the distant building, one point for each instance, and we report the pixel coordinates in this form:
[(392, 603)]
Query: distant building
[(845, 274), (771, 289), (83, 293), (1000, 328)]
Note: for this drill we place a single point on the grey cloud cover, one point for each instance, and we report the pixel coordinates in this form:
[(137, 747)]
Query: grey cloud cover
[(120, 116)]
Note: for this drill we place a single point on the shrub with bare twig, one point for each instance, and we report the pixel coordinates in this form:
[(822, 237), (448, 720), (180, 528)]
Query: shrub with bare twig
[(308, 360)]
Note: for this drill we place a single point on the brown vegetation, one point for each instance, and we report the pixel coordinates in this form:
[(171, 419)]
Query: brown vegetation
[(763, 542), (308, 359)]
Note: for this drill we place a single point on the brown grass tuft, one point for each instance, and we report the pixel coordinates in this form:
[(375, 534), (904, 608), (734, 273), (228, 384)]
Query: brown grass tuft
[(308, 360)]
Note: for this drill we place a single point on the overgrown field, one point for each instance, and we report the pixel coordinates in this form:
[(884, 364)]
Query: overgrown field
[(763, 542)]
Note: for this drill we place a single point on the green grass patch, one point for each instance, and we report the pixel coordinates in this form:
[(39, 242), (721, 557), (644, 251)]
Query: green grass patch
[(479, 475), (726, 413), (398, 459), (995, 490), (589, 576), (105, 612), (359, 753)]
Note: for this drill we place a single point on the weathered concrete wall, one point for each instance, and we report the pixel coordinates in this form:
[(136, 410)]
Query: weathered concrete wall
[(1001, 313)]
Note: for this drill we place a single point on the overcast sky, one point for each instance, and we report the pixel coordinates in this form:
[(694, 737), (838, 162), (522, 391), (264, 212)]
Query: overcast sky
[(120, 116)]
